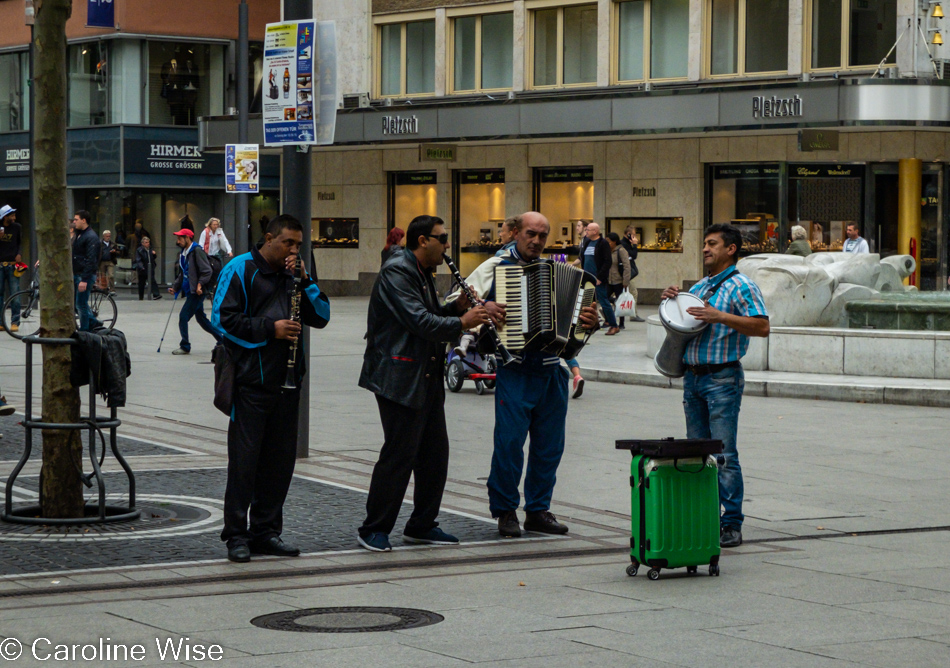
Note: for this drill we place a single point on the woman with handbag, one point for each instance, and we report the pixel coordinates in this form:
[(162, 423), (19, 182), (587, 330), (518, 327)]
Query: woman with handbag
[(619, 270), (629, 243), (213, 241)]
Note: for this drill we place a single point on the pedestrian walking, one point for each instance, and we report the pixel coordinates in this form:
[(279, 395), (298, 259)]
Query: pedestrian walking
[(252, 312), (714, 380), (407, 328), (394, 241), (10, 239), (145, 261), (108, 258), (530, 397), (596, 260), (193, 274), (619, 276), (214, 242), (86, 248), (630, 242)]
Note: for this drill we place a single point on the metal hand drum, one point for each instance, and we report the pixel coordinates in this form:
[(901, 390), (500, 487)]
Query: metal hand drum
[(681, 328)]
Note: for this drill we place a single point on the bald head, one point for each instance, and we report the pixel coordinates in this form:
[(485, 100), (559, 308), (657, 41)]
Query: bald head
[(533, 235), (593, 231)]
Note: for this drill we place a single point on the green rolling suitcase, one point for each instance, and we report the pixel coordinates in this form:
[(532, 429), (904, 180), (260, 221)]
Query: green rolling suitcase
[(674, 504)]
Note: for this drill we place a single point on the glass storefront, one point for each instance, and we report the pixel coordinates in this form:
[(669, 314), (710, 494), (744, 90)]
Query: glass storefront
[(747, 196), (185, 81), (411, 194), (824, 199), (656, 235), (566, 196), (478, 216), (14, 91)]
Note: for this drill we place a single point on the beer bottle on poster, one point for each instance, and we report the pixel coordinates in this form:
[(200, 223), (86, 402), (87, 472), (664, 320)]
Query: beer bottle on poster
[(286, 82)]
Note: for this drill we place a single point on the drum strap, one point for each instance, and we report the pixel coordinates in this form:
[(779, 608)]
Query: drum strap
[(725, 278)]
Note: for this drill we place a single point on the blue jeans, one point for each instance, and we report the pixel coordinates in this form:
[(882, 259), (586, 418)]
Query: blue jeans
[(8, 285), (712, 402), (604, 298), (194, 308), (86, 320), (529, 400)]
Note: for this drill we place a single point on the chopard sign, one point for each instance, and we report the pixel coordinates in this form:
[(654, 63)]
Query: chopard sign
[(398, 125), (776, 107)]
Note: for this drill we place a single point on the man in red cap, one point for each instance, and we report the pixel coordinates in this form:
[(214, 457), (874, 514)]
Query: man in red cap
[(191, 280)]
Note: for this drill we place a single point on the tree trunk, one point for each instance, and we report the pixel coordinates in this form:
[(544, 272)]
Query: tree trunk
[(61, 489)]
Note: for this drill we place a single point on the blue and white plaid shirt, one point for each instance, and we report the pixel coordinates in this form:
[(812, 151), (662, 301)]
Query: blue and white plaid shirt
[(733, 293)]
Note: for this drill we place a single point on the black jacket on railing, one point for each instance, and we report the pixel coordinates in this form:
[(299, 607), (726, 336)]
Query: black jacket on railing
[(86, 255), (406, 331)]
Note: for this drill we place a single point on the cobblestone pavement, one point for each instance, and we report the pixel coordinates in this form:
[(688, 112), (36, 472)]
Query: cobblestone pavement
[(182, 521)]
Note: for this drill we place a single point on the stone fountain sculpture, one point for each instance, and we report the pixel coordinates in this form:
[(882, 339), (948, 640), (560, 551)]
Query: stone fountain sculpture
[(812, 291)]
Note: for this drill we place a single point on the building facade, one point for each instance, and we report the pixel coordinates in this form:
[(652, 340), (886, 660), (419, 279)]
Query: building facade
[(665, 116), (135, 94)]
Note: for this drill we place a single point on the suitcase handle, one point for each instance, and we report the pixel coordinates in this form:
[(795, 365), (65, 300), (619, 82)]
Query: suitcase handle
[(677, 466)]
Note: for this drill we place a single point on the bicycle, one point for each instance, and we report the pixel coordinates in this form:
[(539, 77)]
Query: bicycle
[(101, 304)]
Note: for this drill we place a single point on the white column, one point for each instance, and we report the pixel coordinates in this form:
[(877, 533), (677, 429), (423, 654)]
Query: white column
[(905, 49), (603, 42), (695, 62), (796, 9), (520, 46), (441, 25)]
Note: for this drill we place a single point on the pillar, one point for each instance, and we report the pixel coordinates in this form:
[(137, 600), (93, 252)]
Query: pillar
[(908, 213)]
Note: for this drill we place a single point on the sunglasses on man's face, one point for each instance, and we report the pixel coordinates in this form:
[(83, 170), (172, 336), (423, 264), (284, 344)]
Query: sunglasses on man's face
[(441, 238)]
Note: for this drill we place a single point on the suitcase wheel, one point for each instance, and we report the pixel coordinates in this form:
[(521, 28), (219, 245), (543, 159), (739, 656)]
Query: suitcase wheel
[(714, 569), (654, 574), (691, 569), (632, 569)]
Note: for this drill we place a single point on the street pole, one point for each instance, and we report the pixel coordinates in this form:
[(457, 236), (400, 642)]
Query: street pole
[(295, 200), (34, 249), (241, 231)]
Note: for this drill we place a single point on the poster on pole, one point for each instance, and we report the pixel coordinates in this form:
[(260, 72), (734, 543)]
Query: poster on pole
[(100, 14), (300, 90), (242, 168)]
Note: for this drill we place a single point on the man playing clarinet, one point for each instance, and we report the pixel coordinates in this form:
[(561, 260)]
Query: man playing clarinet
[(530, 398)]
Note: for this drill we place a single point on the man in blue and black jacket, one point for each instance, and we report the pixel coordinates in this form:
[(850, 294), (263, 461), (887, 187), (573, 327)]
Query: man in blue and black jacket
[(85, 265), (252, 312)]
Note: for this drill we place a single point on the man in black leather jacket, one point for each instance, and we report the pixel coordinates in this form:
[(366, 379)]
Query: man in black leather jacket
[(407, 329), (85, 264)]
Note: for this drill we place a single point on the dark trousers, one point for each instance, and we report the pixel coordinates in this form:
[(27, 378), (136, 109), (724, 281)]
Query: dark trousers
[(144, 278), (262, 447), (416, 443), (604, 300), (615, 290), (194, 308)]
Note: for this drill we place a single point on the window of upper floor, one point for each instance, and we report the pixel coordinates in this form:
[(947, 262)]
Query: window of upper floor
[(849, 34), (405, 56), (14, 91), (89, 81), (482, 49), (650, 40), (746, 37), (563, 46), (186, 80)]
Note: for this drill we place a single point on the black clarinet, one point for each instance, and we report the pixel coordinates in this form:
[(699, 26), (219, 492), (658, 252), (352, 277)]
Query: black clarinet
[(473, 298), (290, 382)]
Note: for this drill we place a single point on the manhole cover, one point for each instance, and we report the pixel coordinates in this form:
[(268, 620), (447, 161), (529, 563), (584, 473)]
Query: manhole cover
[(347, 620)]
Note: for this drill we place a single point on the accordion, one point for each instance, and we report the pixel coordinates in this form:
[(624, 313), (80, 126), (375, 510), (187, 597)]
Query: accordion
[(544, 300)]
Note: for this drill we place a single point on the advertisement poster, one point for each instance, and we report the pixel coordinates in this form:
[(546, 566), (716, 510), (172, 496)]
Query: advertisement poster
[(300, 97), (290, 115), (242, 168)]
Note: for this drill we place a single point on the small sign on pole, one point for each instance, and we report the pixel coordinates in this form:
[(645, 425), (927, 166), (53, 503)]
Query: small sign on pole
[(30, 13), (242, 168), (100, 14)]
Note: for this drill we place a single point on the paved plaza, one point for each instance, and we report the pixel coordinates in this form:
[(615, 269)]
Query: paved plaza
[(846, 560)]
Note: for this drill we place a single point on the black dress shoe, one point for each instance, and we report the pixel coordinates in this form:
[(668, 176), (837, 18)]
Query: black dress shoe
[(274, 546), (239, 553), (544, 522), (508, 524)]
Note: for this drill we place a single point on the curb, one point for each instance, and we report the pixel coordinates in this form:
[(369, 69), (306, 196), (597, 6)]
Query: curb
[(869, 394)]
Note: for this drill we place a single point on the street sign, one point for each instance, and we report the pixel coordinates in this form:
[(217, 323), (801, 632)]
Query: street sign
[(300, 89), (242, 168), (100, 14)]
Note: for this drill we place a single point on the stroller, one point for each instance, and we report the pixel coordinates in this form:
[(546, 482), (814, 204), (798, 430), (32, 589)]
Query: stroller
[(478, 365)]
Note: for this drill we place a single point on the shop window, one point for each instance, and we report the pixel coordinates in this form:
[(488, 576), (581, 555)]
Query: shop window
[(482, 52), (851, 33), (335, 232), (656, 235), (564, 46), (14, 92), (479, 214), (747, 36), (747, 196), (185, 81), (411, 194), (566, 196), (406, 58), (88, 70), (824, 199)]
